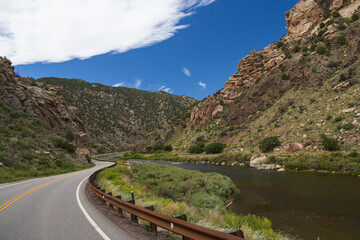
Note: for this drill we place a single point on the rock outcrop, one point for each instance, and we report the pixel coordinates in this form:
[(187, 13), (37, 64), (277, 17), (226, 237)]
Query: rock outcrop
[(45, 103), (264, 67)]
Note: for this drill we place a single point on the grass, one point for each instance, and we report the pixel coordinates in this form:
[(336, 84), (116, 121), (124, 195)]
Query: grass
[(11, 174), (172, 191)]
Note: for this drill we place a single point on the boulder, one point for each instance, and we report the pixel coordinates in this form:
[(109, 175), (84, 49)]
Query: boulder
[(293, 147), (257, 160), (342, 86)]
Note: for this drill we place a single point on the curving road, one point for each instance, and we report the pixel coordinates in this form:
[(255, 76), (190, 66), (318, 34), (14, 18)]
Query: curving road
[(54, 208)]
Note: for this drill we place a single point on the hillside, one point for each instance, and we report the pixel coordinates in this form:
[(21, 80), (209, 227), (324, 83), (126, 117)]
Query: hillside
[(39, 133), (116, 118), (303, 85)]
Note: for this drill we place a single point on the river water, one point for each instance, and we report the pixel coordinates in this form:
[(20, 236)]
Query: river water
[(308, 205)]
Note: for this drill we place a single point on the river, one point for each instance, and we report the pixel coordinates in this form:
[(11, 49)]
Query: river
[(308, 205)]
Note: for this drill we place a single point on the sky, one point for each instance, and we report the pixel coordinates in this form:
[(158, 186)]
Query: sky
[(184, 47)]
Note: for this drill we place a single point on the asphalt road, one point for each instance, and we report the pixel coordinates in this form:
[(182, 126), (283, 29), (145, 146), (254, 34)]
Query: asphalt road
[(54, 208)]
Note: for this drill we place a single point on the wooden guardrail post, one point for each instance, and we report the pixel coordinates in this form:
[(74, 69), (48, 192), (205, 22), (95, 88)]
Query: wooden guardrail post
[(110, 205), (237, 233), (153, 226), (184, 218), (120, 211), (133, 217)]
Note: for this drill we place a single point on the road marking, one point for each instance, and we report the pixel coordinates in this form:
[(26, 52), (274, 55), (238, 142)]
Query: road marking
[(30, 191), (13, 184), (92, 222)]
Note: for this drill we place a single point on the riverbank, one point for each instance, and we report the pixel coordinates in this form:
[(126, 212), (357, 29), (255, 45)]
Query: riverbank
[(172, 190), (344, 162)]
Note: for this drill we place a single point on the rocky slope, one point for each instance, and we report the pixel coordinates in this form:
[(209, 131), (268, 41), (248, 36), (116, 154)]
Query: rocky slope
[(43, 103), (118, 118), (295, 88)]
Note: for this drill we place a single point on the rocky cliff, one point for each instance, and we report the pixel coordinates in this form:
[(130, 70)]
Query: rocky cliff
[(321, 47), (45, 103)]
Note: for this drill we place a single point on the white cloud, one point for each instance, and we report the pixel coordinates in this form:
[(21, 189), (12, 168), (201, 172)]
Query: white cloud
[(165, 89), (137, 83), (120, 84), (202, 85), (186, 72), (61, 30), (161, 88)]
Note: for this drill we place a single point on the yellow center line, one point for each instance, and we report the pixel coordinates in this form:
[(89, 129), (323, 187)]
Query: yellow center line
[(30, 191)]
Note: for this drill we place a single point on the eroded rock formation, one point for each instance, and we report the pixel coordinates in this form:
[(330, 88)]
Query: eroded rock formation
[(46, 103)]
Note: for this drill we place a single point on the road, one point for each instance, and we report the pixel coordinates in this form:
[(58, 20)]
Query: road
[(54, 208)]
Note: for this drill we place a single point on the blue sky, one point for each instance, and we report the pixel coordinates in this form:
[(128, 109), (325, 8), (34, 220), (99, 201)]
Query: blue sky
[(195, 60)]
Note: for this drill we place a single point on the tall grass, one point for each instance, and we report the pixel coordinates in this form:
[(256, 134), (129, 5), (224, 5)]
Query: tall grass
[(173, 191)]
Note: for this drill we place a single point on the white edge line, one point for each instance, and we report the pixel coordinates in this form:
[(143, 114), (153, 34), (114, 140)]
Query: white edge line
[(92, 222), (13, 184)]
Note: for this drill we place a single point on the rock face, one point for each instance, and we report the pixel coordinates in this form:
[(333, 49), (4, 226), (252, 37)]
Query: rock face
[(47, 104), (264, 67)]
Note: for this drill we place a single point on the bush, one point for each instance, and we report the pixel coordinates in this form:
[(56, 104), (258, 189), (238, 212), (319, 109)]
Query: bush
[(341, 26), (342, 40), (355, 17), (268, 144), (322, 25), (284, 76), (353, 154), (64, 144), (342, 77), (330, 144), (214, 148), (336, 14), (348, 126), (69, 135), (333, 64), (279, 44), (197, 148), (321, 50), (162, 147)]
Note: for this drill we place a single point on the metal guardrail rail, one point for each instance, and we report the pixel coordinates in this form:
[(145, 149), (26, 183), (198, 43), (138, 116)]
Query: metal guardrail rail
[(174, 224)]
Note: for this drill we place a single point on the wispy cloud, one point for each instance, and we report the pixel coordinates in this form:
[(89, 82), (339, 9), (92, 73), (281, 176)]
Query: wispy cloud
[(161, 88), (186, 72), (138, 83), (55, 31), (202, 85), (120, 84), (165, 89)]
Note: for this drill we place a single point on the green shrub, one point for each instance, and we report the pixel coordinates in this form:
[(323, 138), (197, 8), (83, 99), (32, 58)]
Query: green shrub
[(321, 50), (268, 144), (353, 153), (69, 135), (162, 147), (322, 25), (197, 148), (348, 126), (338, 118), (64, 144), (341, 26), (214, 148), (279, 44), (330, 144), (336, 14), (342, 40), (333, 64), (284, 76), (342, 77), (200, 138), (355, 17)]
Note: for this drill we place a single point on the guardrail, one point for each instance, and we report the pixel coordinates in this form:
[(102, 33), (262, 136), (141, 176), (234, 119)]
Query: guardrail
[(176, 224)]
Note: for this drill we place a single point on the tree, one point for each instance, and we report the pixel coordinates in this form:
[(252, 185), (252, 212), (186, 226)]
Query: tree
[(268, 144), (330, 144), (215, 148)]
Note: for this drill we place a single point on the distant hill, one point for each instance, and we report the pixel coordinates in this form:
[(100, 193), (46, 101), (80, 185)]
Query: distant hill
[(116, 118), (304, 85)]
